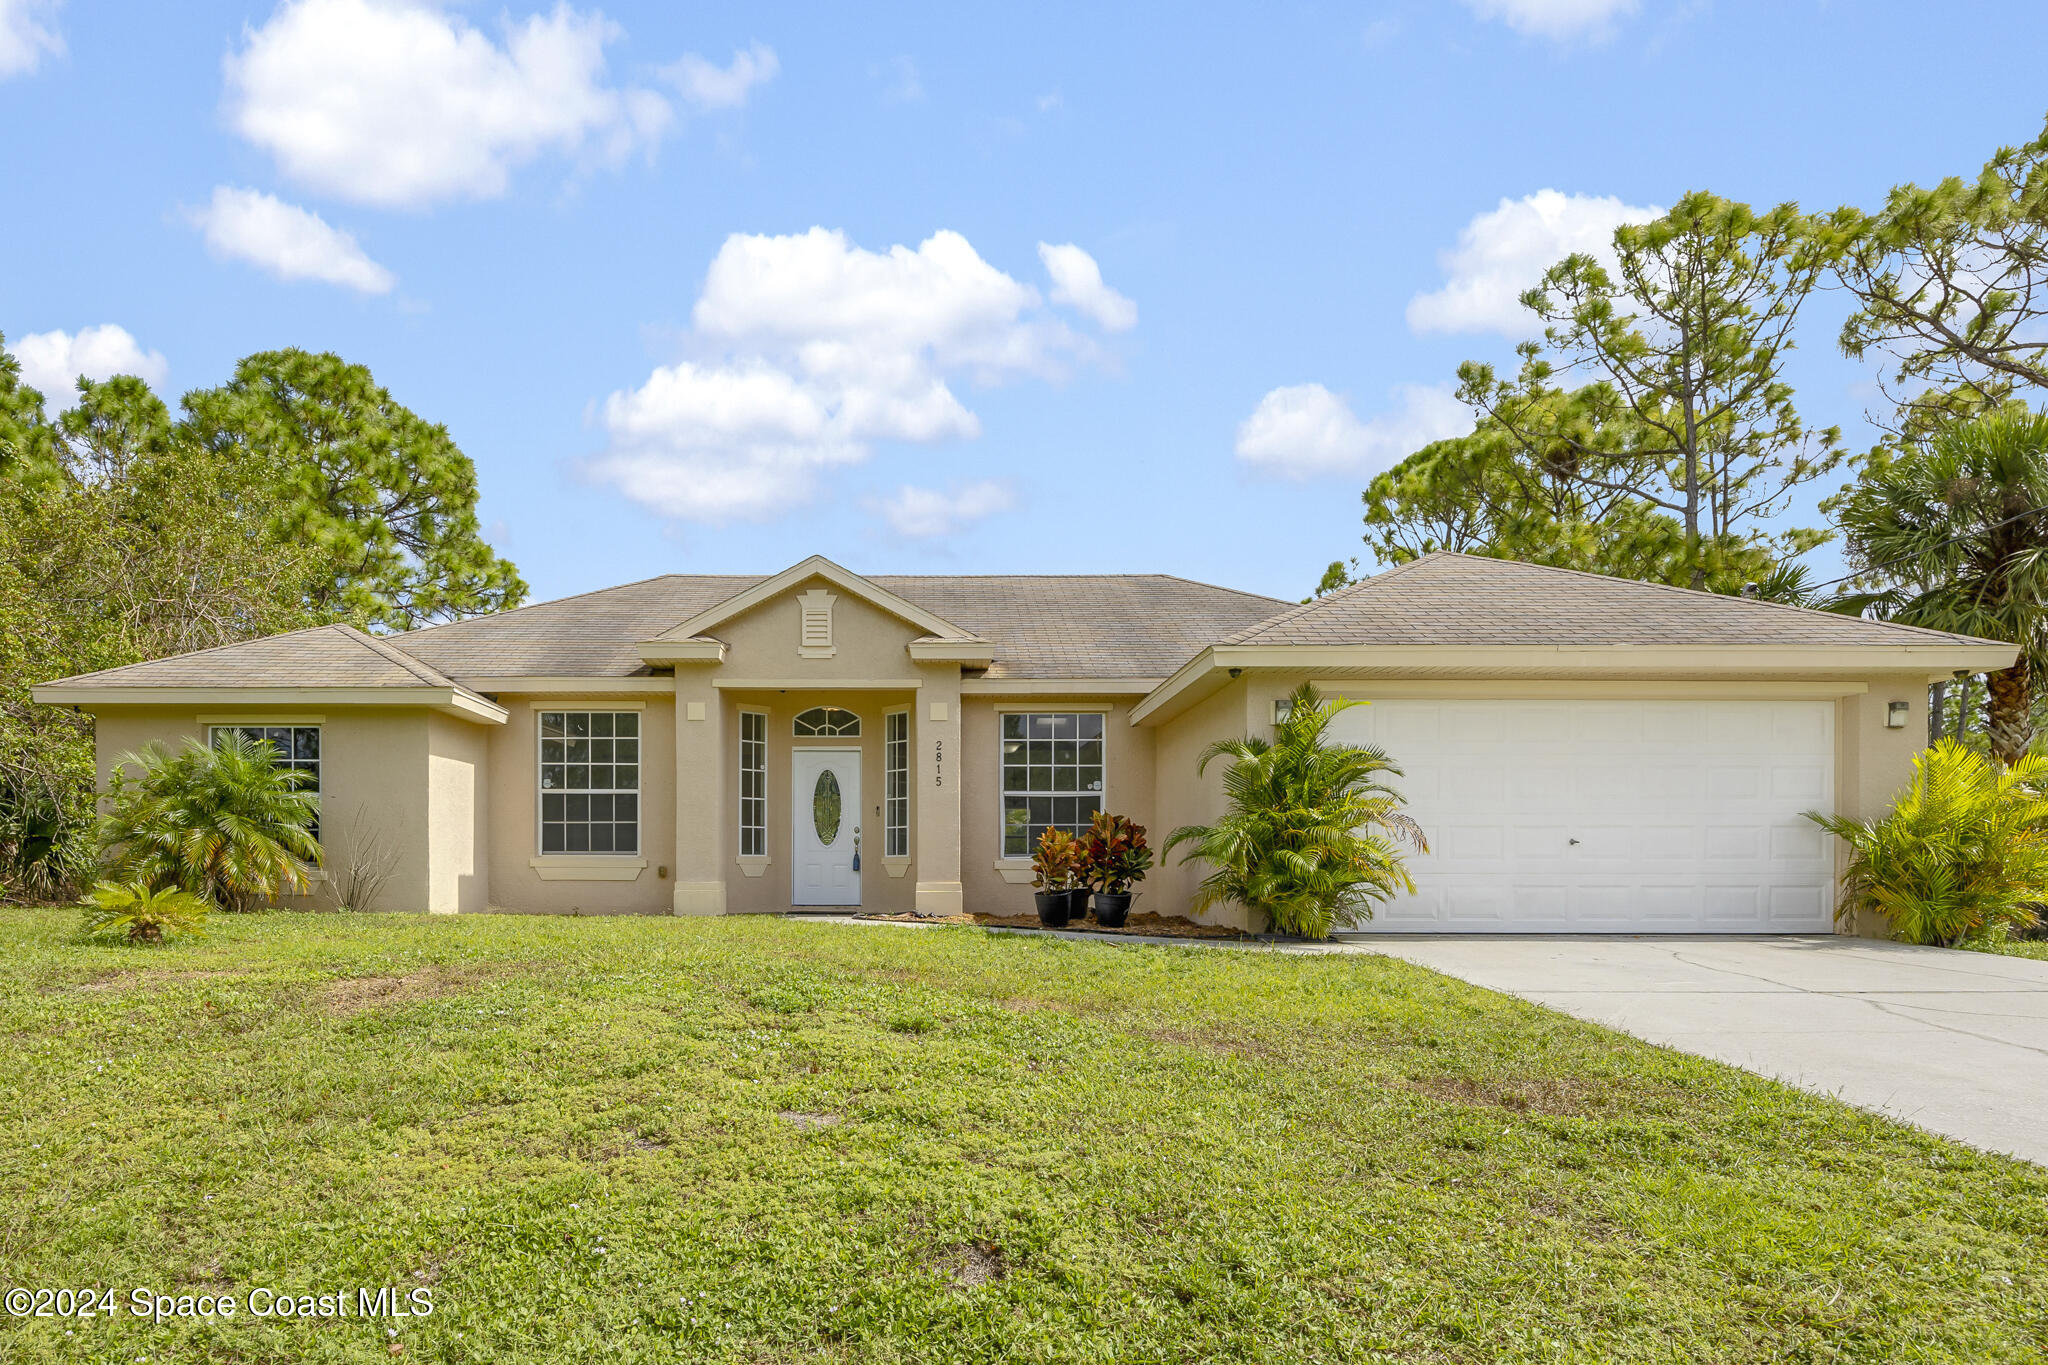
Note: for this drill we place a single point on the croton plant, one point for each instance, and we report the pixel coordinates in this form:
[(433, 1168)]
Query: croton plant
[(1114, 854)]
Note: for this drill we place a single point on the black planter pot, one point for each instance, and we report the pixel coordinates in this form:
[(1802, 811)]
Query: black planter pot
[(1077, 904), (1055, 908), (1111, 911)]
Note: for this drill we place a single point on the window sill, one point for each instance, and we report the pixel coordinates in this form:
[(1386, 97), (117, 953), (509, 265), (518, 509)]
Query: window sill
[(896, 867), (751, 864), (587, 867), (1015, 872)]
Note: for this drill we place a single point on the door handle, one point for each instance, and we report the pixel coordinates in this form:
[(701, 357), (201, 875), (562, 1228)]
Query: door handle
[(1569, 841)]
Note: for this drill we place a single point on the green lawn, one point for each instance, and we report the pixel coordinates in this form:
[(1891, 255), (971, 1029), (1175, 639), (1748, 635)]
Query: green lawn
[(2012, 947), (757, 1141)]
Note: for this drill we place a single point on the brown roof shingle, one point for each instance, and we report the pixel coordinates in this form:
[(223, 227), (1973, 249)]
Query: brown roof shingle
[(1042, 626), (319, 656), (1454, 599)]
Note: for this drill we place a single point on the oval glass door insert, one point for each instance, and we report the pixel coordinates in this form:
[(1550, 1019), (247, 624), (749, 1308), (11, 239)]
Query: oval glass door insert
[(825, 808)]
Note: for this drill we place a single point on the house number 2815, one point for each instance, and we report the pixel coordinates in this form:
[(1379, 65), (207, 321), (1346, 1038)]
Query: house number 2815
[(938, 762)]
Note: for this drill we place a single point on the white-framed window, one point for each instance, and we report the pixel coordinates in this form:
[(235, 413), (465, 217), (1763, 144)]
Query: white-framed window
[(1051, 775), (753, 784), (297, 748), (826, 722), (589, 782), (896, 785)]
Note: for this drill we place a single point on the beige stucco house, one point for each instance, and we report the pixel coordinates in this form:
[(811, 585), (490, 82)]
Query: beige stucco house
[(1586, 754)]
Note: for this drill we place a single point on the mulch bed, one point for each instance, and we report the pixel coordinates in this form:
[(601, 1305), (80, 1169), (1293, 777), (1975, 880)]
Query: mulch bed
[(1143, 925)]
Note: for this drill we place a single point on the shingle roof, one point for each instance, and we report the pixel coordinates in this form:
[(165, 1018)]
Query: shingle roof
[(1454, 599), (1053, 626), (319, 656)]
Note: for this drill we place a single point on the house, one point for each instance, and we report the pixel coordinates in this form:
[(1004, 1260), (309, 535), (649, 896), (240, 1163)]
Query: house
[(1585, 753)]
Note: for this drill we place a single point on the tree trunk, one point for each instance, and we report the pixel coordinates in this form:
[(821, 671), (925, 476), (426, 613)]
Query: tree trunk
[(2009, 720), (1937, 712)]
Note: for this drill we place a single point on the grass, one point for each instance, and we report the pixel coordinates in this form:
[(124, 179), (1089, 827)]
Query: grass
[(758, 1141), (2010, 947)]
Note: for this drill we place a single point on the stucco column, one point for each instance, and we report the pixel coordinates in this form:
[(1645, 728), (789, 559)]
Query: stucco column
[(937, 758), (701, 794)]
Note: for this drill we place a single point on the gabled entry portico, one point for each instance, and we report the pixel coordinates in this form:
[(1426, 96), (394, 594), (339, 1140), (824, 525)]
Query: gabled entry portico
[(812, 684)]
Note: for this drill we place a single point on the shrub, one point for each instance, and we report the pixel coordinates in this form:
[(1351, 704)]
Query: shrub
[(1114, 854), (1056, 866), (142, 912), (1963, 849), (1308, 835), (222, 822)]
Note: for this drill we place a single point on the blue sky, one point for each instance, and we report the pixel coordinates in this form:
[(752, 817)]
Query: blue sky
[(924, 289)]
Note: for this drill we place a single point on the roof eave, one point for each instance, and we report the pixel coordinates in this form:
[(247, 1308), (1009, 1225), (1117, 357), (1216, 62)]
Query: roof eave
[(975, 653), (697, 651), (1204, 674), (453, 701)]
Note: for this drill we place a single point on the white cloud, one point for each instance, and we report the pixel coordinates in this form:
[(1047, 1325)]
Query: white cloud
[(806, 349), (1503, 252), (931, 514), (710, 86), (287, 241), (903, 85), (1303, 430), (398, 104), (52, 362), (1077, 282), (1555, 18), (28, 32)]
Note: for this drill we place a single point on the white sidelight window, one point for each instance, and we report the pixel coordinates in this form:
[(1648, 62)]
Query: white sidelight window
[(589, 782), (1052, 775), (297, 748), (896, 785), (753, 784)]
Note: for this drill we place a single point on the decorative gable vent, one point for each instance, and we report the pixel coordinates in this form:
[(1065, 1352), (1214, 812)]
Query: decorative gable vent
[(816, 641)]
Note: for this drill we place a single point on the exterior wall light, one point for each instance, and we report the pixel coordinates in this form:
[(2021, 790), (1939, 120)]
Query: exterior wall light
[(1895, 715)]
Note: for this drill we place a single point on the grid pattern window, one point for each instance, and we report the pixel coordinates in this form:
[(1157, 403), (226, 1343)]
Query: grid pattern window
[(826, 722), (753, 784), (589, 782), (1052, 775), (297, 748), (896, 784)]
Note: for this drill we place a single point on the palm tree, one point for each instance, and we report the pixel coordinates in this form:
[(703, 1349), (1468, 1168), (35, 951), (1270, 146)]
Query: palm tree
[(222, 822), (1305, 837), (1958, 527)]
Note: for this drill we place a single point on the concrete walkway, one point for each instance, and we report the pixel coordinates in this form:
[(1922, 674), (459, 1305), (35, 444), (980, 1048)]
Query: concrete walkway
[(1955, 1042)]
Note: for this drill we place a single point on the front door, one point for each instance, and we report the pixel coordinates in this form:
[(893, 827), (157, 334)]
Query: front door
[(825, 807)]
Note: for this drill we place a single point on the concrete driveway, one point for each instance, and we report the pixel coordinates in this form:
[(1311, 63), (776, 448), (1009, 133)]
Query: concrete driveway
[(1955, 1042)]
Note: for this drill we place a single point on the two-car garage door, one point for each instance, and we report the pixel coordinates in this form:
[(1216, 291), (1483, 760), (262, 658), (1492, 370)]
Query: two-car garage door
[(1582, 816)]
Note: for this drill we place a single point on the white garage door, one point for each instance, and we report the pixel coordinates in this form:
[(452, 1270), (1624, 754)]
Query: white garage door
[(1610, 816)]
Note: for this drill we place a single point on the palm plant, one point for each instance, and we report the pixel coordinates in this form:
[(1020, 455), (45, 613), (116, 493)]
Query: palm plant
[(142, 912), (1964, 848), (1956, 526), (224, 822), (1308, 835)]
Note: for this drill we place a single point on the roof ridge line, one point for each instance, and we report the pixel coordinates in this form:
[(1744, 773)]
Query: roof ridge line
[(1709, 593), (419, 668), (572, 597), (1351, 591), (209, 649)]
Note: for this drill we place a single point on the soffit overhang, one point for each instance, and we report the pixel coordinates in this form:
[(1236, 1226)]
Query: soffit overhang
[(1211, 670)]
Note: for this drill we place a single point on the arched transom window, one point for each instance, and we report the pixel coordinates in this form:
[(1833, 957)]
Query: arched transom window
[(826, 720)]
